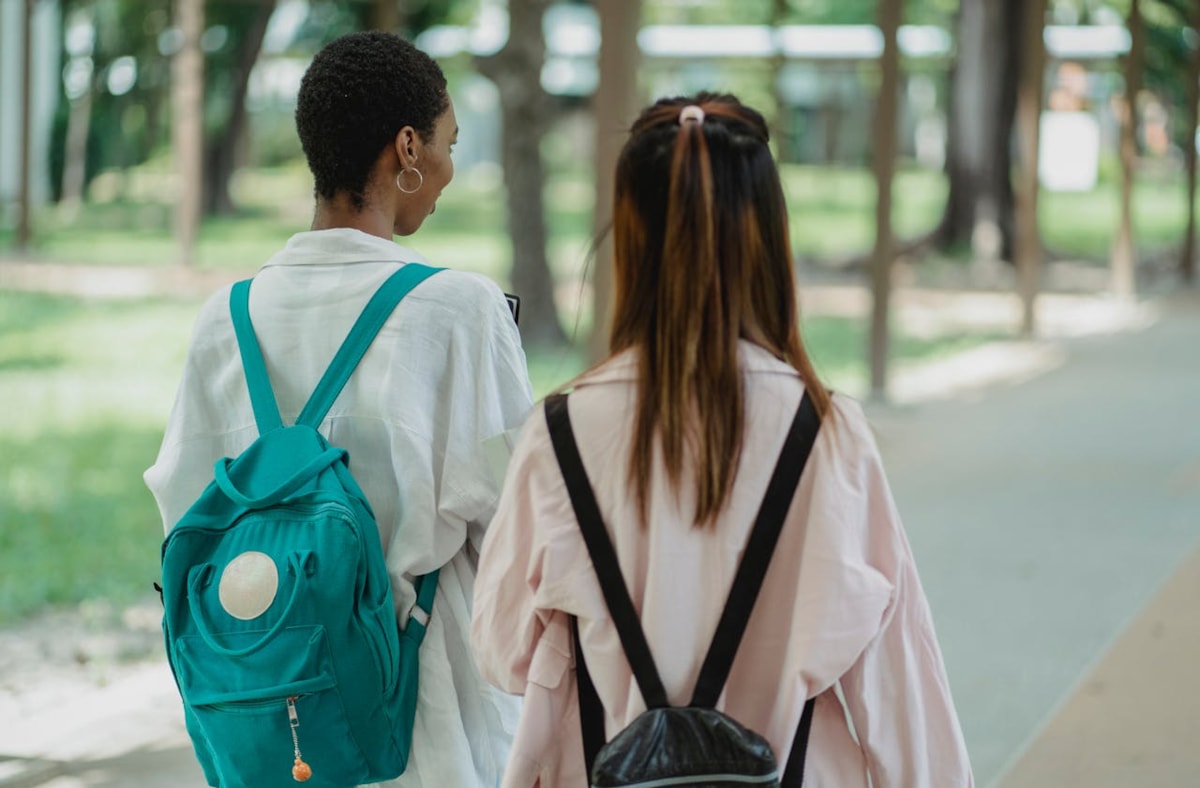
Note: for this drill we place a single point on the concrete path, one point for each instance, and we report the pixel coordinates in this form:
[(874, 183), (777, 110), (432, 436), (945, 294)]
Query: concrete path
[(1133, 720), (1044, 518), (1055, 519)]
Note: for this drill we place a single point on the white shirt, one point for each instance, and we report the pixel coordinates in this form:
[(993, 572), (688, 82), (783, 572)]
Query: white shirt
[(445, 374)]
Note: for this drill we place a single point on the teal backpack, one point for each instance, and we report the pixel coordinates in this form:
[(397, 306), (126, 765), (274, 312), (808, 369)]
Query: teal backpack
[(277, 609)]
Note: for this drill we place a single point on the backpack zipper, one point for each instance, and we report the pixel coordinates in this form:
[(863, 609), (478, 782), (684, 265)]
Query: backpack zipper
[(301, 771)]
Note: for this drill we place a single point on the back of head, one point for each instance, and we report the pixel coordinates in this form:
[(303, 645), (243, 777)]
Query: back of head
[(702, 259), (356, 96)]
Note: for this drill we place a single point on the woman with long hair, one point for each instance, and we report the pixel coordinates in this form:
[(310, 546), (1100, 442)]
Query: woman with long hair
[(678, 432)]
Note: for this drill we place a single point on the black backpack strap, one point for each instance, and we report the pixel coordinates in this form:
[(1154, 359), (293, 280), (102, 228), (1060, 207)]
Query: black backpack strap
[(793, 774), (749, 578), (604, 557), (591, 710)]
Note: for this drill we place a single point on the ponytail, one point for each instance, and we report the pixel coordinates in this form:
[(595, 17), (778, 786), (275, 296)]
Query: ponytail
[(701, 260), (690, 382)]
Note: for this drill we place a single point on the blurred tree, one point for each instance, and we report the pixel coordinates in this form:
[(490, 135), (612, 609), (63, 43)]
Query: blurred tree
[(116, 88), (79, 80), (979, 208), (884, 165), (1172, 73), (243, 24), (780, 120), (794, 12), (752, 12), (386, 15), (409, 17), (1159, 62), (24, 196), (1031, 84), (187, 130), (1187, 260), (1123, 260), (614, 107), (526, 115)]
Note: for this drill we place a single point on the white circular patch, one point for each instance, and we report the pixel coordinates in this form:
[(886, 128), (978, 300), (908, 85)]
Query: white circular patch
[(248, 585)]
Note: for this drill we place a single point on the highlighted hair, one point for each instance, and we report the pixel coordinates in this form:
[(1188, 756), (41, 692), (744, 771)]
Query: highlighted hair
[(701, 259)]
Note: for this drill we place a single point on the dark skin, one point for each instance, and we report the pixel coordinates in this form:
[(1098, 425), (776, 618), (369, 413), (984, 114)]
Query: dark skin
[(387, 211)]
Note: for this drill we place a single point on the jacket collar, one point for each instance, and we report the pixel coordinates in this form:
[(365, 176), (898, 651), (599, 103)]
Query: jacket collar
[(340, 246), (623, 367)]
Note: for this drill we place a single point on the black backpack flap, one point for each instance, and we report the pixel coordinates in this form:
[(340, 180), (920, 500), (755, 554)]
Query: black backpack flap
[(685, 746)]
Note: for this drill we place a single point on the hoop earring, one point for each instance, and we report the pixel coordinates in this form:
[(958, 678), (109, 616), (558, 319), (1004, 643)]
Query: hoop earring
[(400, 180)]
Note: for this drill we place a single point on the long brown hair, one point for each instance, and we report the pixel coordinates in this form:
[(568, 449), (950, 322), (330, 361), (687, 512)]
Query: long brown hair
[(701, 259)]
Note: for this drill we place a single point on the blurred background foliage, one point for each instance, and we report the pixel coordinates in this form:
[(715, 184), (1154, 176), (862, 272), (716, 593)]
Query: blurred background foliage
[(86, 382)]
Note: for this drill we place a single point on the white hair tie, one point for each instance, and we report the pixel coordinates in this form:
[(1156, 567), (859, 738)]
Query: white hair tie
[(691, 113)]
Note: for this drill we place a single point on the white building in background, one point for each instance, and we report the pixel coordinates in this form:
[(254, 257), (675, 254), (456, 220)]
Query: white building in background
[(46, 51)]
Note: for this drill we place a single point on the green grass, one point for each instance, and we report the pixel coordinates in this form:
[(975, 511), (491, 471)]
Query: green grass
[(76, 523), (86, 388), (1083, 224), (831, 210), (838, 348)]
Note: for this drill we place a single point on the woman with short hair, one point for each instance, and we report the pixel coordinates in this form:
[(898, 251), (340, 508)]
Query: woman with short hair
[(445, 373)]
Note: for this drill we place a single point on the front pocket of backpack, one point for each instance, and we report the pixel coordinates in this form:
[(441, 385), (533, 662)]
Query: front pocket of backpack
[(242, 707)]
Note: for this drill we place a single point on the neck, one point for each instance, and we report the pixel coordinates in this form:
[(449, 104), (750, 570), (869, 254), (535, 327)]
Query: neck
[(339, 213)]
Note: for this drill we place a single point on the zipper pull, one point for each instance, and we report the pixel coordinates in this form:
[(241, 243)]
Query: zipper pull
[(301, 771)]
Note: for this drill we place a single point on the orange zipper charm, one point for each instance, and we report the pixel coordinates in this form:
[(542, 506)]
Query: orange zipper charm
[(301, 771)]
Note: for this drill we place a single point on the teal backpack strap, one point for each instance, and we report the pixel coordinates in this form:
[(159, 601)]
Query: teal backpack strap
[(418, 617), (262, 397), (354, 347), (427, 587)]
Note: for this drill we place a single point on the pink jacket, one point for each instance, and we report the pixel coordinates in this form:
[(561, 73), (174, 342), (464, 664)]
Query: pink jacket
[(841, 615)]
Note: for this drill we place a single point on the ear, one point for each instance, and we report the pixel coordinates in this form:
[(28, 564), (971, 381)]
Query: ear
[(408, 146)]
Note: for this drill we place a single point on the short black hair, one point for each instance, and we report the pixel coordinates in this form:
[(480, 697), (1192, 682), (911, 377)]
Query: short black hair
[(357, 94)]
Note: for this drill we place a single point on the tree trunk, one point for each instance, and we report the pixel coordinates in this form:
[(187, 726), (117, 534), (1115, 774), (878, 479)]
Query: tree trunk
[(386, 16), (613, 109), (220, 154), (980, 205), (79, 120), (1032, 80), (188, 130), (24, 158), (1124, 252), (782, 120), (525, 118), (831, 121), (1187, 261), (886, 110)]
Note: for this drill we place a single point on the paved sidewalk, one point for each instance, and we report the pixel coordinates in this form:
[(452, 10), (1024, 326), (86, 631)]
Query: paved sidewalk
[(1134, 718), (1055, 516), (1045, 517)]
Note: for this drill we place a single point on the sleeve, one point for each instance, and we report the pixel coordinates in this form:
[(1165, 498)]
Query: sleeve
[(183, 467), (507, 621), (492, 397), (897, 693)]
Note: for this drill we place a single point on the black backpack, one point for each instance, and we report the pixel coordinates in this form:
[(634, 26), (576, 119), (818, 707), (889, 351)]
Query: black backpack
[(695, 745)]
